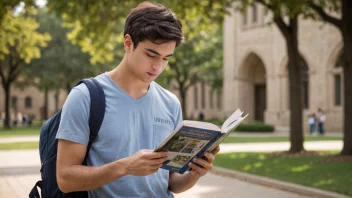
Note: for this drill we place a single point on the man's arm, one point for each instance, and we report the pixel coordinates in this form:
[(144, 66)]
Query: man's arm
[(179, 183), (72, 176)]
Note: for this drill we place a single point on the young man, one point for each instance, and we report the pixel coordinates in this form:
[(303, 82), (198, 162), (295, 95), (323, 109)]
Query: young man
[(121, 161)]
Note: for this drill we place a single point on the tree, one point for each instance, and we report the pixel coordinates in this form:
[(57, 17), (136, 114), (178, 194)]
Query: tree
[(62, 64), (19, 44), (198, 60), (290, 10), (10, 5), (344, 25)]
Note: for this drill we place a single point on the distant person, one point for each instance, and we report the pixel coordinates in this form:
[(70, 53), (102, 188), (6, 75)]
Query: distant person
[(312, 123), (201, 116), (24, 119), (321, 121)]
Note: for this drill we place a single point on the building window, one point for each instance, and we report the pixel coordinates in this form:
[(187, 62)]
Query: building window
[(339, 62), (254, 13), (203, 95), (219, 100), (28, 102), (13, 101), (211, 99), (195, 96), (337, 94)]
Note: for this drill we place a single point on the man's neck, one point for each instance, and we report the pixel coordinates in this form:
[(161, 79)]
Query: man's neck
[(128, 82)]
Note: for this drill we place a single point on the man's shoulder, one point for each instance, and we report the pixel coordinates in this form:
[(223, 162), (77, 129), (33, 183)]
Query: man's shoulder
[(165, 94), (83, 87)]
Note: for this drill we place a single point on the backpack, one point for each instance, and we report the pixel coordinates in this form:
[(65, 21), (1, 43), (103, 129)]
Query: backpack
[(48, 144)]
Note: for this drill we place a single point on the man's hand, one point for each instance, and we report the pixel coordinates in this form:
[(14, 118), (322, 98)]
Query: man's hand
[(145, 162), (204, 165)]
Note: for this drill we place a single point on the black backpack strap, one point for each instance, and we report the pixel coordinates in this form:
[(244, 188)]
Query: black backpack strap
[(97, 109), (34, 192)]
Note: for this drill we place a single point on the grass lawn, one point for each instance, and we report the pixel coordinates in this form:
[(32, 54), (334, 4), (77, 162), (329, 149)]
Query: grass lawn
[(19, 145), (275, 139), (19, 132), (315, 171)]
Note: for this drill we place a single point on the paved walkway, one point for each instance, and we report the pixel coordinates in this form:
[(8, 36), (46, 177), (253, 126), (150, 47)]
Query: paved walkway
[(19, 170)]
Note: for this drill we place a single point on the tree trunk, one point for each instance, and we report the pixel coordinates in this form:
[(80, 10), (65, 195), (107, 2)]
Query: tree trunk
[(68, 88), (57, 97), (183, 95), (46, 103), (294, 68), (347, 71), (296, 134), (7, 90)]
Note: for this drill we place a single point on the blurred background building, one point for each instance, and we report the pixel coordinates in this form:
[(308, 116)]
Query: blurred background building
[(255, 69)]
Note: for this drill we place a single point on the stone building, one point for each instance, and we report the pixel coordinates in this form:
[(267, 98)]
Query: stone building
[(255, 69), (29, 101)]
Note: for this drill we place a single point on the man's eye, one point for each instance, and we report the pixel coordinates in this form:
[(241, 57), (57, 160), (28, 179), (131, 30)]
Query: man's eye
[(167, 59), (150, 56)]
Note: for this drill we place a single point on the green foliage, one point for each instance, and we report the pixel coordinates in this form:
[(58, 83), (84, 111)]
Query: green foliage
[(97, 25), (20, 42), (20, 131), (62, 64), (19, 38), (19, 146), (241, 139), (10, 5), (199, 59), (255, 127), (317, 171)]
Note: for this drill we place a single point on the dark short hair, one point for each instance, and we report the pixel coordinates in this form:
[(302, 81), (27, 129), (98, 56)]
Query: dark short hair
[(153, 22)]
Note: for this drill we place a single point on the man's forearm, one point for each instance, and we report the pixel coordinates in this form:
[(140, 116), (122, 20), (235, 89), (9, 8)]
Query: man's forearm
[(82, 178), (179, 183)]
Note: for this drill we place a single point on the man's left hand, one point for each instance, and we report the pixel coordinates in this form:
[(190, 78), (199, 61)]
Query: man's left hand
[(204, 164)]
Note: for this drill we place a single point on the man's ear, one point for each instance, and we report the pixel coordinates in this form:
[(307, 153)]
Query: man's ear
[(128, 43)]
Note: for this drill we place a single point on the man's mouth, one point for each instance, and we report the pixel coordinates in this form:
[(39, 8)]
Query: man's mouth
[(152, 74)]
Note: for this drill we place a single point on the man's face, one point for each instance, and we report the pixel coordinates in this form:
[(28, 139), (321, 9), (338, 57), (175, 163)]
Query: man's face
[(149, 60)]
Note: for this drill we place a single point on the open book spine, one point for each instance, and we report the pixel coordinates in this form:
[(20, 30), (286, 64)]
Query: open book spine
[(200, 154)]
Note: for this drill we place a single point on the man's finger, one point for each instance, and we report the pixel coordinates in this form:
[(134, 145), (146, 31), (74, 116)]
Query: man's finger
[(200, 170), (209, 157), (157, 161), (156, 155), (202, 163), (216, 150)]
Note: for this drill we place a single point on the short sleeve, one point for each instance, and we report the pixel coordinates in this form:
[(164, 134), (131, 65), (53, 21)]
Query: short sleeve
[(74, 124), (178, 114)]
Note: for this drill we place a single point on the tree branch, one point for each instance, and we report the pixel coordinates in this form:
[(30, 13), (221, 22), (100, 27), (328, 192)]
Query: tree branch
[(320, 11), (2, 75), (270, 7), (277, 18), (282, 26), (178, 73), (192, 80)]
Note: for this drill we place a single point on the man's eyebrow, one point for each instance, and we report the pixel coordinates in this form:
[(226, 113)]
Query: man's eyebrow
[(155, 52)]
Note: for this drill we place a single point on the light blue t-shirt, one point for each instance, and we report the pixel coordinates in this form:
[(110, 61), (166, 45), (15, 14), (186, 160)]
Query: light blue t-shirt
[(129, 125)]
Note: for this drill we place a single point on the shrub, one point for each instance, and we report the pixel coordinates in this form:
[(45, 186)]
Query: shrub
[(255, 127)]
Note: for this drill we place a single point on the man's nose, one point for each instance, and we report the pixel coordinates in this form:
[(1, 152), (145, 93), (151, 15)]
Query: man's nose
[(158, 64)]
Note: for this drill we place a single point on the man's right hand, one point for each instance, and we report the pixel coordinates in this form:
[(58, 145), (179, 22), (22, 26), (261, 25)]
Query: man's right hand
[(145, 162)]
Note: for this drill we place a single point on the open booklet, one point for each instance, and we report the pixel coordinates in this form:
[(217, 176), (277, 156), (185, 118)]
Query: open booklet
[(192, 138)]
